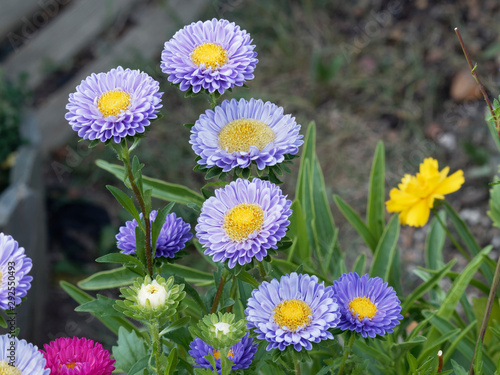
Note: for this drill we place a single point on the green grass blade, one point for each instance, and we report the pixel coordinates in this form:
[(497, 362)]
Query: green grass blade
[(115, 278), (356, 221), (384, 254), (375, 215)]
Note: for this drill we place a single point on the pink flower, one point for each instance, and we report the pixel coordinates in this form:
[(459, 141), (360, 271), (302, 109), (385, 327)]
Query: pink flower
[(77, 356)]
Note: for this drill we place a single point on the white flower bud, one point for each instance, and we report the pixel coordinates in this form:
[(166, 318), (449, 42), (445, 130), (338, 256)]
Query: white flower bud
[(154, 292), (223, 327)]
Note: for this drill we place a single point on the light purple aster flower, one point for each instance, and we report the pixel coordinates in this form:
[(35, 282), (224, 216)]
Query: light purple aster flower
[(243, 220), (26, 358), (14, 269), (368, 306), (241, 354), (296, 310), (211, 55), (114, 105), (237, 133), (173, 235)]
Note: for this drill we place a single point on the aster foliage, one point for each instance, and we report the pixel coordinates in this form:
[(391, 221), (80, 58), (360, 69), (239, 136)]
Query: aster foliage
[(219, 330)]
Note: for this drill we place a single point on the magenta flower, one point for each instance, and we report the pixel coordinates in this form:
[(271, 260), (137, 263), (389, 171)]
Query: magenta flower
[(77, 356)]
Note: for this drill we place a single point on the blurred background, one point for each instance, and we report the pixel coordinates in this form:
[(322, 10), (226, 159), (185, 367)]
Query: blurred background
[(364, 71)]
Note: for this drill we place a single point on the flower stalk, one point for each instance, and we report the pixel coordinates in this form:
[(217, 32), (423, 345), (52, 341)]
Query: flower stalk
[(347, 351), (154, 330)]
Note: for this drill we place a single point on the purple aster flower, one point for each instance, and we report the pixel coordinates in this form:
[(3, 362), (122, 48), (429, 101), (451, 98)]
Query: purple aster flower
[(211, 55), (297, 310), (241, 354), (115, 104), (25, 358), (237, 133), (14, 269), (367, 305), (243, 220), (173, 235)]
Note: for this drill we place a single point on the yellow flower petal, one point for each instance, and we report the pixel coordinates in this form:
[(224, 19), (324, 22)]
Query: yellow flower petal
[(451, 184), (418, 214)]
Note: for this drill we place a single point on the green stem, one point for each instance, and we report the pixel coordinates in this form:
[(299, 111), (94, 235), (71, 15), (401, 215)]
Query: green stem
[(486, 317), (297, 364), (126, 160), (262, 271), (155, 337), (232, 293), (218, 294), (455, 243), (347, 351), (478, 81), (213, 100)]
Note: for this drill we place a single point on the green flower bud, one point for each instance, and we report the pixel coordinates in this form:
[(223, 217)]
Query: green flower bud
[(219, 330), (148, 300)]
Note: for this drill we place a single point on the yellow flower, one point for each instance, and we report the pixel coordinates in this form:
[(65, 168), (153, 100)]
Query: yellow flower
[(416, 194)]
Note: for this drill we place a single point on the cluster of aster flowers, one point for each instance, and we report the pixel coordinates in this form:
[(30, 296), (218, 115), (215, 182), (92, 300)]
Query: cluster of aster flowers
[(243, 220)]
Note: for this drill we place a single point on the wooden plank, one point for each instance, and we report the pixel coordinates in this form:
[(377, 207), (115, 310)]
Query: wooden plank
[(16, 14), (63, 38), (154, 27)]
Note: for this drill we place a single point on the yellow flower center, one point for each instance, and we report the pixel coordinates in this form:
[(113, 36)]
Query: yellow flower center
[(363, 307), (210, 54), (293, 314), (6, 369), (70, 365), (239, 135), (112, 103), (152, 289), (242, 220), (216, 354)]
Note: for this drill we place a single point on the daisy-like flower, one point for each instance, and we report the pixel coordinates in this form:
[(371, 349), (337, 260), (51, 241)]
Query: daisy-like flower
[(77, 356), (211, 55), (415, 195), (237, 133), (241, 354), (14, 268), (19, 357), (296, 310), (113, 105), (173, 235), (243, 221), (367, 305)]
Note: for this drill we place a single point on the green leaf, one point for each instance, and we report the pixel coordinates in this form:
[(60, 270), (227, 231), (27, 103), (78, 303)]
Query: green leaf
[(468, 239), (297, 230), (179, 323), (130, 350), (126, 202), (141, 367), (247, 278), (162, 190), (479, 308), (359, 264), (494, 211), (115, 278), (451, 349), (434, 243), (172, 361), (384, 253), (425, 287), (436, 344), (112, 322), (3, 322), (191, 275), (459, 370), (375, 216), (122, 259), (102, 306), (357, 223)]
